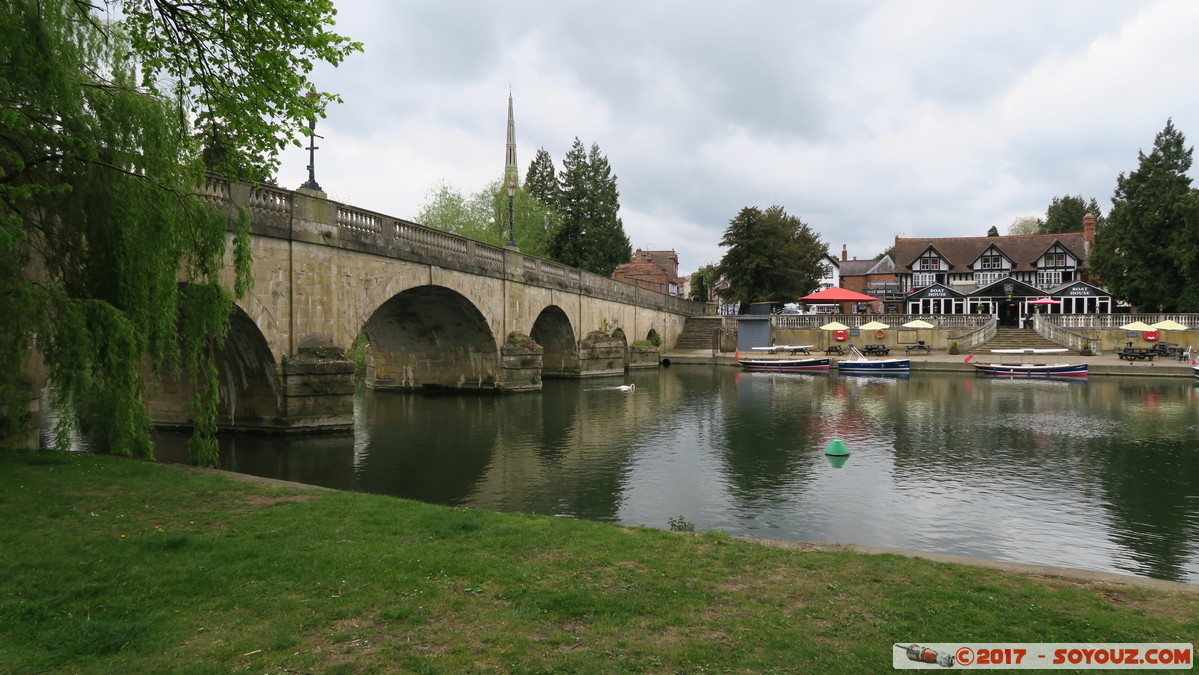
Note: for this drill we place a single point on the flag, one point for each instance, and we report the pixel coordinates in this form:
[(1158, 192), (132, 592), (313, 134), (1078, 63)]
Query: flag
[(968, 359)]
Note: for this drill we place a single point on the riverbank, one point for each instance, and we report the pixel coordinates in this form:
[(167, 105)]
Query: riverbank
[(113, 565), (1097, 364)]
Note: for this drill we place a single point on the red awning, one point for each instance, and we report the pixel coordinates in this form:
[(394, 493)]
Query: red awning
[(837, 294)]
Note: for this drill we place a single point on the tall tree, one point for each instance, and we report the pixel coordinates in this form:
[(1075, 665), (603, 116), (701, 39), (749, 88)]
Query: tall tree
[(483, 216), (1065, 214), (591, 236), (448, 209), (772, 256), (1025, 225), (1147, 250), (993, 232), (99, 217), (541, 180)]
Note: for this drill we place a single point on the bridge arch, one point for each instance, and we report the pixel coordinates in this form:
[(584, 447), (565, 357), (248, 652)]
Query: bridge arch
[(431, 337), (552, 330), (251, 392)]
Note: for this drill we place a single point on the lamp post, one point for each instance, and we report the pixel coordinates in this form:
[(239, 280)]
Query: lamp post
[(311, 183), (511, 196)]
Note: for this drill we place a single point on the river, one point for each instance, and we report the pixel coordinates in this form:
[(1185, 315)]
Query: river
[(1100, 474)]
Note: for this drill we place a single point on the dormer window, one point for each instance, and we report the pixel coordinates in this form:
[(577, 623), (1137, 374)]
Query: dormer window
[(990, 262), (1055, 260), (929, 261)]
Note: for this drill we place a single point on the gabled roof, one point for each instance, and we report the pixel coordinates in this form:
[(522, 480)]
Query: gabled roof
[(961, 252), (861, 268)]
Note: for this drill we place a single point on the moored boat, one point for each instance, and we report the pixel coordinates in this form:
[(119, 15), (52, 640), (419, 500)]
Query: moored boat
[(862, 364), (810, 364), (1025, 369)]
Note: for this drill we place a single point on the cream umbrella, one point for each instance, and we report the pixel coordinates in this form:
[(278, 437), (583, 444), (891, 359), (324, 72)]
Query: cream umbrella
[(877, 327), (834, 325), (918, 324), (1136, 325), (1167, 325)]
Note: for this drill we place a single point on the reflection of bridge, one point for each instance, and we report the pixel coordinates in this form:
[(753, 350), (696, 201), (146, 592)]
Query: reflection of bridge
[(438, 311)]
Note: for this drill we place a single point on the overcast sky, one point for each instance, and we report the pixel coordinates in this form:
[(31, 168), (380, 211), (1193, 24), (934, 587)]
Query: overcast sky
[(865, 119)]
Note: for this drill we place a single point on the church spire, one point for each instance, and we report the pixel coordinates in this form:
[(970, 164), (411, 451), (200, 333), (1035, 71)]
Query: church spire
[(511, 173)]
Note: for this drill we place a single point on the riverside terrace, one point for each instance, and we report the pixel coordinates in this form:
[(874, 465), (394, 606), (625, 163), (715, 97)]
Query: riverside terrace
[(973, 333)]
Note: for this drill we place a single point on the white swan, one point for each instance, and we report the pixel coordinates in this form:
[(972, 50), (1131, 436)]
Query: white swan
[(630, 388)]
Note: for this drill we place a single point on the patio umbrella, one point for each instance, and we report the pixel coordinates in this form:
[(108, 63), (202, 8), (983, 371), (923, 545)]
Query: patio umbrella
[(874, 325), (1044, 301), (918, 324), (837, 294), (1168, 325), (1137, 325), (834, 325)]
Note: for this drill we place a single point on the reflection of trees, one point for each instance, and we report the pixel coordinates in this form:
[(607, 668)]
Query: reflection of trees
[(1133, 439), (572, 453), (767, 447), (1151, 479)]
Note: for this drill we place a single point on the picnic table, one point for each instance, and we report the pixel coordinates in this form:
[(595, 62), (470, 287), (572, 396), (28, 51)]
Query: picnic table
[(876, 350), (834, 349), (1138, 353), (919, 347), (1167, 348)]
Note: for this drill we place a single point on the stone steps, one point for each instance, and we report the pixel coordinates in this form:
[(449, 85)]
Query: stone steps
[(700, 332), (1017, 338)]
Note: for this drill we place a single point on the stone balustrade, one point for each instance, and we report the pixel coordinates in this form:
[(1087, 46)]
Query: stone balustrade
[(274, 212)]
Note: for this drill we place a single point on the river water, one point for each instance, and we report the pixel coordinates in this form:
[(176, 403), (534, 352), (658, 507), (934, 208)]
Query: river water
[(1100, 474)]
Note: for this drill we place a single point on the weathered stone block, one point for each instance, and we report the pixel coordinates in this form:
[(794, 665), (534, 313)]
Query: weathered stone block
[(644, 357)]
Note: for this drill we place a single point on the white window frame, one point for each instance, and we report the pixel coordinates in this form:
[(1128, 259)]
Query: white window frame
[(988, 278), (1049, 278), (991, 262)]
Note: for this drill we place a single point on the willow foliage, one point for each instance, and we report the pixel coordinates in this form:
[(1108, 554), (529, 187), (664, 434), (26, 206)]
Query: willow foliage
[(109, 262)]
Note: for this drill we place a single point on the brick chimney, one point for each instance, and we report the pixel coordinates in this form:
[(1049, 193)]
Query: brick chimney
[(844, 252), (1088, 228)]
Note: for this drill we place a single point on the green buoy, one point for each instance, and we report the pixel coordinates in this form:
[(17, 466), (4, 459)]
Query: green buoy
[(837, 448)]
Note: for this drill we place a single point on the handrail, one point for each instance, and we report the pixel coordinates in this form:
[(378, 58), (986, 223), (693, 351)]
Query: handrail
[(895, 321), (1053, 332)]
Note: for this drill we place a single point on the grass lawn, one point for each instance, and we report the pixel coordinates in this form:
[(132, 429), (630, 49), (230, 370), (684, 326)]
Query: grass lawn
[(111, 565)]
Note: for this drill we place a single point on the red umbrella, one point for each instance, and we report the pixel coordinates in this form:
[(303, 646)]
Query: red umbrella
[(1044, 301), (837, 294)]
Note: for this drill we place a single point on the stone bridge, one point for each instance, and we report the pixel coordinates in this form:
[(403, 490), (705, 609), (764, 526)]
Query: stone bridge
[(437, 311)]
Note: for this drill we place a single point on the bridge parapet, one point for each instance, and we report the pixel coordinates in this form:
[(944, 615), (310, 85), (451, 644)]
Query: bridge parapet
[(275, 212)]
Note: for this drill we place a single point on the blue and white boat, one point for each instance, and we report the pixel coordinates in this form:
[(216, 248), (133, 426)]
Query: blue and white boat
[(862, 364), (1025, 369)]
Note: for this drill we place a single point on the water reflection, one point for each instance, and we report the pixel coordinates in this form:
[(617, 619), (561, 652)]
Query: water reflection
[(1100, 474)]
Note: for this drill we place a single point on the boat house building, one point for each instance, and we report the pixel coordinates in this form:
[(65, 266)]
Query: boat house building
[(1001, 276)]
